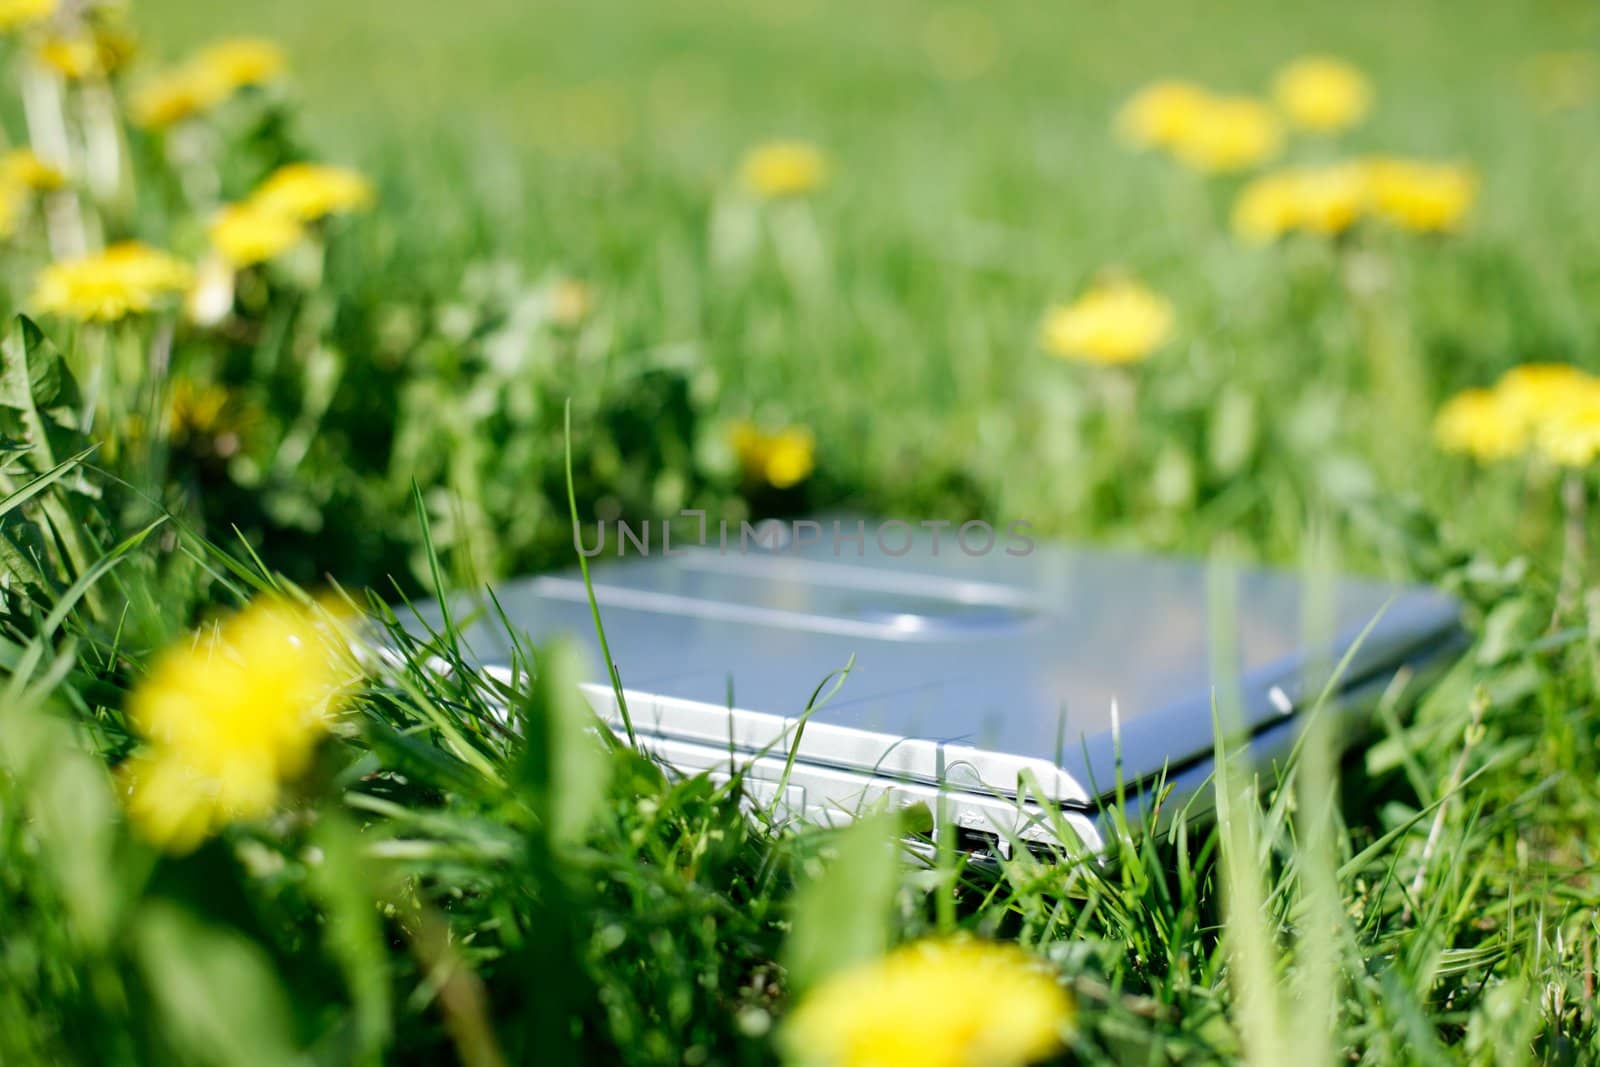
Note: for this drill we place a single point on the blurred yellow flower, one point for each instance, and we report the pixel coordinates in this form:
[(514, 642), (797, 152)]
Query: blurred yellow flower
[(15, 14), (20, 167), (176, 96), (1229, 134), (1325, 200), (570, 302), (955, 1003), (1119, 322), (1553, 408), (784, 168), (70, 57), (239, 62), (195, 409), (213, 75), (1267, 208), (1531, 391), (1477, 423), (1426, 197), (1161, 114), (230, 715), (247, 234), (1570, 434), (782, 459), (1322, 93), (126, 279), (310, 191)]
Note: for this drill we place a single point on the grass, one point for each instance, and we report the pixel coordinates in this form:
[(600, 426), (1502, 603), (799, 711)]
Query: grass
[(439, 886)]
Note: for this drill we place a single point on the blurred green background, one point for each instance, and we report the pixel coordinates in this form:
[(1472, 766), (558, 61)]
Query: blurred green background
[(976, 181)]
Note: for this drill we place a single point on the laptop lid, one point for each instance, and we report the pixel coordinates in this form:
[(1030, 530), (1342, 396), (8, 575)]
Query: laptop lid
[(971, 660)]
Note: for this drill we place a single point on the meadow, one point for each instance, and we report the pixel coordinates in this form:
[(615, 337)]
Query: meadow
[(542, 257)]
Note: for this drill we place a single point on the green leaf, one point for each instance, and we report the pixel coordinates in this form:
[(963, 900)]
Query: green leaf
[(564, 769), (218, 997), (343, 883), (841, 917), (39, 399)]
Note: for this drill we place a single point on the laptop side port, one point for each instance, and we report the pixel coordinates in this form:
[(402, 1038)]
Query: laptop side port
[(981, 842)]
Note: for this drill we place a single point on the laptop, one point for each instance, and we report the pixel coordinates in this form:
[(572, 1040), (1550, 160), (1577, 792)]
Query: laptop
[(1020, 691)]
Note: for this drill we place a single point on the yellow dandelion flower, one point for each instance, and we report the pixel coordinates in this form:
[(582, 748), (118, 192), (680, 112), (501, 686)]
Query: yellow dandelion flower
[(310, 191), (125, 279), (1120, 322), (1530, 392), (176, 96), (1162, 114), (1325, 200), (570, 302), (16, 14), (103, 51), (229, 716), (784, 168), (1477, 422), (782, 459), (1426, 197), (247, 234), (1267, 208), (1322, 93), (1229, 134), (195, 409), (1569, 435), (240, 62), (20, 167), (956, 1003), (71, 57)]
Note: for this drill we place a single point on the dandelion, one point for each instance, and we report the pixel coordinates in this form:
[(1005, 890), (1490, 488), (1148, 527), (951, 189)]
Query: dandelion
[(195, 409), (1530, 392), (780, 169), (1570, 435), (1228, 134), (1552, 408), (1162, 114), (126, 279), (176, 96), (247, 234), (1322, 93), (1425, 197), (1120, 322), (782, 459), (240, 62), (21, 168), (17, 14), (570, 302), (206, 81), (955, 1003), (310, 191), (1477, 423), (1325, 200), (71, 57), (228, 717), (1267, 208)]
